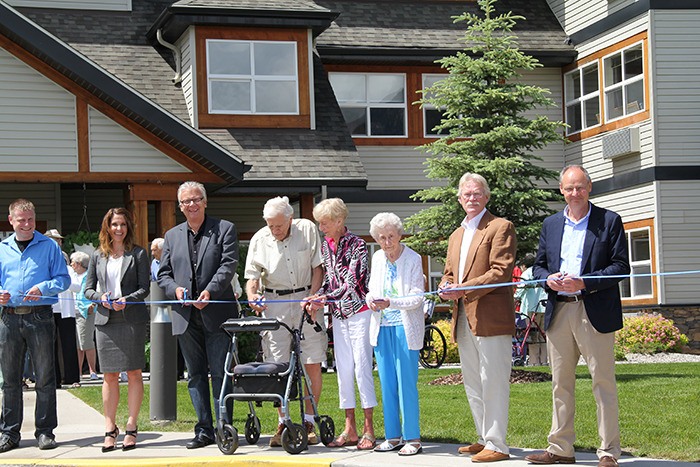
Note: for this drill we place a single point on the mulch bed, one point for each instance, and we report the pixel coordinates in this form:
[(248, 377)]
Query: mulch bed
[(516, 377)]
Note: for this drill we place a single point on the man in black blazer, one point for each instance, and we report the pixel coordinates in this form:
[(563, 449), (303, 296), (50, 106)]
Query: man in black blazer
[(198, 262), (582, 254)]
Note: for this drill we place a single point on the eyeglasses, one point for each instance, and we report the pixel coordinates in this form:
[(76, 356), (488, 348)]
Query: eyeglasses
[(189, 202), (475, 195), (570, 189)]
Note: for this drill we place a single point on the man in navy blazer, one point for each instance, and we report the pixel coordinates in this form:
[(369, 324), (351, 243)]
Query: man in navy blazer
[(198, 262), (582, 255)]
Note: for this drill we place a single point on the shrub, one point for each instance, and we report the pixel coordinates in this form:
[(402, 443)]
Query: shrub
[(452, 352), (647, 334)]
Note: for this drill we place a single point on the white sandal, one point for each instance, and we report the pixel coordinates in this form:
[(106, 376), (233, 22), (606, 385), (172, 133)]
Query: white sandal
[(389, 445), (411, 449)]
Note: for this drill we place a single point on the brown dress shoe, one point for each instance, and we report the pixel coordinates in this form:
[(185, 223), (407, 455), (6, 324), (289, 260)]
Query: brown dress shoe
[(276, 440), (488, 455), (607, 461), (471, 449), (546, 457)]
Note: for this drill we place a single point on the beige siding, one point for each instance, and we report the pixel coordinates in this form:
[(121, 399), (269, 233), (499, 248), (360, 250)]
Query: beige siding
[(116, 5), (187, 49), (550, 78), (362, 213), (37, 121), (678, 224), (45, 196), (115, 149), (620, 33), (633, 204), (677, 89), (394, 167), (575, 15), (589, 152)]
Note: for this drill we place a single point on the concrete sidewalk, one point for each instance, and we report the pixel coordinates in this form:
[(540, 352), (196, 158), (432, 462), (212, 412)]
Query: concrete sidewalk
[(80, 435)]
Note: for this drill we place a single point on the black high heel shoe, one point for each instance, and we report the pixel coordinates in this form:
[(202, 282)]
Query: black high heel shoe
[(134, 432), (111, 434)]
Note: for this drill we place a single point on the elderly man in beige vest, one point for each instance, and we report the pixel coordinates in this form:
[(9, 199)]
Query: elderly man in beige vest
[(284, 262)]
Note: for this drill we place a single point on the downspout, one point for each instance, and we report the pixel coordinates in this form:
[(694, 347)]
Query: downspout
[(177, 79)]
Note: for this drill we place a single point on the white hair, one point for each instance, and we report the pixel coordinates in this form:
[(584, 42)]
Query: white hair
[(385, 220), (158, 243), (81, 258), (276, 206), (191, 185), (472, 177)]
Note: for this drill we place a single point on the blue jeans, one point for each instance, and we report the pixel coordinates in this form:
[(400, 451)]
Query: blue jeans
[(204, 352), (18, 333)]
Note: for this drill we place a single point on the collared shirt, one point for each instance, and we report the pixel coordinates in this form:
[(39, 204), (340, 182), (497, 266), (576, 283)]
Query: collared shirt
[(194, 241), (572, 243), (469, 227), (285, 264), (41, 264), (155, 265)]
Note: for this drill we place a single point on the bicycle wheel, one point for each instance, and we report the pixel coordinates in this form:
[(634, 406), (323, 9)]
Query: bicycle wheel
[(434, 350)]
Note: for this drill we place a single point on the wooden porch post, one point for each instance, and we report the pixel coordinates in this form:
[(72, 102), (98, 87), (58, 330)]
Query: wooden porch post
[(306, 206)]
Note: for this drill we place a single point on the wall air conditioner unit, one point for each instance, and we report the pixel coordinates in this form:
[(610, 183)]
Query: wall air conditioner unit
[(620, 143)]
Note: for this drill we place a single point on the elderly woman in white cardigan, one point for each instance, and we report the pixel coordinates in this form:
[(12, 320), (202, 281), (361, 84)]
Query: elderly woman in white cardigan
[(395, 297)]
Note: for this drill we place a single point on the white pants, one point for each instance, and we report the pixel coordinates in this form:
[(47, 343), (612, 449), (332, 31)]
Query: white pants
[(486, 364), (353, 360)]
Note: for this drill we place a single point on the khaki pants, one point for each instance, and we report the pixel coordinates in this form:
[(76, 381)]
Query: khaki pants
[(569, 336)]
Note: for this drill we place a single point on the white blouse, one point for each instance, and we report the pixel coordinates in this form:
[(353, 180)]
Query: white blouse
[(114, 276)]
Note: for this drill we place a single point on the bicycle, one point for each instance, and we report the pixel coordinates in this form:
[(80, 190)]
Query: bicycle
[(434, 350), (523, 338)]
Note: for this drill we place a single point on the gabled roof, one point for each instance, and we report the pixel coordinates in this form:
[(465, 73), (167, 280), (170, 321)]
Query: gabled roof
[(117, 43), (97, 69), (423, 30), (257, 13)]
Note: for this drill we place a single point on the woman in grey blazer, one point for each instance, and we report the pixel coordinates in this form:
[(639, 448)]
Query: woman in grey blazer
[(117, 276)]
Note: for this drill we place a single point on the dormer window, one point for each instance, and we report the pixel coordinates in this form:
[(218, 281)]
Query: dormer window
[(253, 78)]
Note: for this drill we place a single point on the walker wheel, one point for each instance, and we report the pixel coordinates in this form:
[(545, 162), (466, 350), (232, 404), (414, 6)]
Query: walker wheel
[(326, 429), (252, 429), (294, 439), (227, 440)]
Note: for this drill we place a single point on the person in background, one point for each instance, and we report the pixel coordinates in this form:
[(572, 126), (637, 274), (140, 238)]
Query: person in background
[(85, 314), (198, 262), (529, 297), (482, 251), (156, 251), (32, 273), (66, 342), (117, 276), (344, 289), (395, 296), (583, 257), (283, 264)]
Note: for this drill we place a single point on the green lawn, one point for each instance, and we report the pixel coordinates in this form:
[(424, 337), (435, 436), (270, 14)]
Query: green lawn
[(659, 408)]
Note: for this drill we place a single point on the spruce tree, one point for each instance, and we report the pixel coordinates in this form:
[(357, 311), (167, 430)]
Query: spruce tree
[(484, 130)]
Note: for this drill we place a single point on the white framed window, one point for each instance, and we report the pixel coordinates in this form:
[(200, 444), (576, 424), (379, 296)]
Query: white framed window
[(639, 245), (623, 82), (436, 269), (373, 104), (432, 115), (247, 77), (582, 96)]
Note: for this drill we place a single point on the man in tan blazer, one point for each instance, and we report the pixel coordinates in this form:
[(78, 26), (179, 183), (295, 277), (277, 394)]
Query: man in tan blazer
[(480, 252)]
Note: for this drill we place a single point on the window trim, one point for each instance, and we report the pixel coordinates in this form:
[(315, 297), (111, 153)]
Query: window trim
[(584, 97), (622, 84), (252, 78), (427, 106), (646, 224), (368, 106), (626, 120), (414, 112), (219, 120)]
